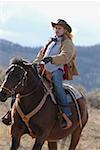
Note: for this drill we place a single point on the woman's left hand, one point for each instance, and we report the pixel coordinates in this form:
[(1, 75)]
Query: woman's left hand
[(47, 60)]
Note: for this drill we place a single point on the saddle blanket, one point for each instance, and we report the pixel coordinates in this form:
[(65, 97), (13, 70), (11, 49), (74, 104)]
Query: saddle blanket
[(73, 92)]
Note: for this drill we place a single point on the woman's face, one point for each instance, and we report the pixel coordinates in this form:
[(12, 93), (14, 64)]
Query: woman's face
[(59, 30)]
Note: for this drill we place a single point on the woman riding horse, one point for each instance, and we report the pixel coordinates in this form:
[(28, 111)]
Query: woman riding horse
[(34, 112), (59, 58)]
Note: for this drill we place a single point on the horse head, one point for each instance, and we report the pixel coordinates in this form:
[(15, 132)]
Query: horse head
[(16, 78)]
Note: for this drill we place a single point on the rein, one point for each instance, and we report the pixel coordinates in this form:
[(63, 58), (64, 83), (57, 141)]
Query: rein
[(6, 89), (21, 96)]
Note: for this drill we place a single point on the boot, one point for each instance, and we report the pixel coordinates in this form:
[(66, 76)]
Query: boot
[(6, 119), (65, 122)]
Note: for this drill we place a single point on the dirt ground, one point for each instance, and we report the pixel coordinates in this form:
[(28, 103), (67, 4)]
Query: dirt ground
[(90, 138)]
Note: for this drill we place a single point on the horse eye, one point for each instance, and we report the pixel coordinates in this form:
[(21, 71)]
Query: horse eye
[(17, 76)]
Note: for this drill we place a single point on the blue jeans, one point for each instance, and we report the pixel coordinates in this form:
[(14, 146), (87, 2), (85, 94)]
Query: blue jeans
[(57, 78)]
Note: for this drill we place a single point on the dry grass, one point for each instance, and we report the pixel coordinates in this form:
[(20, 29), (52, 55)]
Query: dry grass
[(2, 72), (90, 138)]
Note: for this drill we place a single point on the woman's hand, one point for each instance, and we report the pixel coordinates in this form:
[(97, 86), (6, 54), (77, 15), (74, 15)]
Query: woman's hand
[(47, 60)]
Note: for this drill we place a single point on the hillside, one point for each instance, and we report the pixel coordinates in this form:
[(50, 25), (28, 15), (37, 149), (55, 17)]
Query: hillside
[(9, 49), (88, 61)]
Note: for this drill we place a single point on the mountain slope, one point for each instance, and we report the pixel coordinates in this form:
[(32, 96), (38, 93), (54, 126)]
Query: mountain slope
[(9, 49), (88, 61)]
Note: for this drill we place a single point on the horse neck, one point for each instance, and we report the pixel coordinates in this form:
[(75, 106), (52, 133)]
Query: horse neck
[(35, 87)]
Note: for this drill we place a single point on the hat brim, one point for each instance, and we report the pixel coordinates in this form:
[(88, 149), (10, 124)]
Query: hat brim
[(54, 24), (67, 26)]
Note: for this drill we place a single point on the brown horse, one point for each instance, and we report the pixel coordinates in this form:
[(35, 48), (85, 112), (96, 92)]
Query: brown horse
[(44, 124)]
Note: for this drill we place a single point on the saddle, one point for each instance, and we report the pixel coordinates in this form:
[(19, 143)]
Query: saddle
[(72, 93)]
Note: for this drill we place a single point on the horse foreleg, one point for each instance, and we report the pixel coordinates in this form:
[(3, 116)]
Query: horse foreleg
[(15, 143), (38, 144), (16, 134), (52, 145), (75, 138)]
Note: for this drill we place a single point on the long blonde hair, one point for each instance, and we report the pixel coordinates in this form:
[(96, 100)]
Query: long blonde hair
[(68, 35)]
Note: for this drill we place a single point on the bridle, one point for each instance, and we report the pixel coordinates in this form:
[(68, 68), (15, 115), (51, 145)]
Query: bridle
[(22, 81), (20, 84)]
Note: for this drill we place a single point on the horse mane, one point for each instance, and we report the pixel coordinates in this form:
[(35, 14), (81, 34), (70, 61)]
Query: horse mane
[(18, 61), (25, 64)]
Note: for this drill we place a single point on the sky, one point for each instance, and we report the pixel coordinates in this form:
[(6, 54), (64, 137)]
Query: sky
[(29, 22)]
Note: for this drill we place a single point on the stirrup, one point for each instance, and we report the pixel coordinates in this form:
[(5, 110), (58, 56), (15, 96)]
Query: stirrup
[(67, 121)]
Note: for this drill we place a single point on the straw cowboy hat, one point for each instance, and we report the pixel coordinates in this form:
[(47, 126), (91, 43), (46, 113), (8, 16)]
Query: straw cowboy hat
[(62, 23)]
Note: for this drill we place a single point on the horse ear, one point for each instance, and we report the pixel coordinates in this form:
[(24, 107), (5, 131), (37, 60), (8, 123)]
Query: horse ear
[(9, 68)]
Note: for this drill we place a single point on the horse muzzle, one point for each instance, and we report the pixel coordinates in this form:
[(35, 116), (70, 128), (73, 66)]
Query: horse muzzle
[(3, 96)]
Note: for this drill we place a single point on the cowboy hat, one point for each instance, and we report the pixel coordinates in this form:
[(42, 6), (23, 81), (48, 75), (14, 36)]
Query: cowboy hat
[(62, 23)]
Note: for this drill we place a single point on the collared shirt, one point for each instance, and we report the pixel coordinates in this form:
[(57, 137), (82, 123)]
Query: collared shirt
[(53, 49)]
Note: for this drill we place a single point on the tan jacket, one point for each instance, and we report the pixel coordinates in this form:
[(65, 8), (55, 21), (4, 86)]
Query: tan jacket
[(67, 56)]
